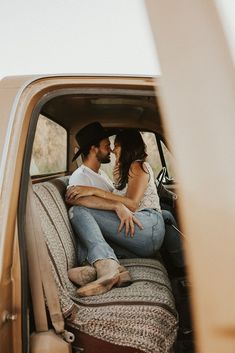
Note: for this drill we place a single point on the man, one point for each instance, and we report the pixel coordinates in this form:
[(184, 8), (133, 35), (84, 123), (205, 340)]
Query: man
[(95, 149)]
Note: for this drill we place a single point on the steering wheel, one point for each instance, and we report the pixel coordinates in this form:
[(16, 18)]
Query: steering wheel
[(160, 178)]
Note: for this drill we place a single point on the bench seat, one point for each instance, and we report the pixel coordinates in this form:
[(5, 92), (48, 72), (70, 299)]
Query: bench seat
[(138, 318)]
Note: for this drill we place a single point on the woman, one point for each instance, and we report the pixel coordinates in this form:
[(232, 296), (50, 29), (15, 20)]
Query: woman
[(135, 189)]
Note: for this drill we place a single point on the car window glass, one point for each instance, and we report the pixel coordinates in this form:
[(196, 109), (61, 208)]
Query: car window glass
[(152, 151), (169, 159), (49, 148)]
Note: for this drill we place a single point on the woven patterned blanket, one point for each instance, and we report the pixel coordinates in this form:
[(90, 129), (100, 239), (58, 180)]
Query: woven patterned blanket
[(141, 315)]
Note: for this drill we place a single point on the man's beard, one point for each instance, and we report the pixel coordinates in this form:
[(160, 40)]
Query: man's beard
[(103, 158)]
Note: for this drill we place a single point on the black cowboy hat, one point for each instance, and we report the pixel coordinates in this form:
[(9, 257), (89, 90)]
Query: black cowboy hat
[(89, 134)]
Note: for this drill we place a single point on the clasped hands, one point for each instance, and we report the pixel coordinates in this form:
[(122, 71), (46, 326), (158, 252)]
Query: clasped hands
[(75, 192)]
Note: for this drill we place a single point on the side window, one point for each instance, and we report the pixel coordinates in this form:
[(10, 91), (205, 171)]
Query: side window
[(152, 151), (154, 155), (169, 159), (49, 149)]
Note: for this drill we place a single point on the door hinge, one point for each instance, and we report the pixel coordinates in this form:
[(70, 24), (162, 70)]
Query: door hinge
[(6, 316)]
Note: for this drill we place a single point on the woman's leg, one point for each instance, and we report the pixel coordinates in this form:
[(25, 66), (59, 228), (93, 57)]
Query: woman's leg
[(144, 243)]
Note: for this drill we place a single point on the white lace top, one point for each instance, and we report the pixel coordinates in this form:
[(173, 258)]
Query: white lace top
[(150, 198)]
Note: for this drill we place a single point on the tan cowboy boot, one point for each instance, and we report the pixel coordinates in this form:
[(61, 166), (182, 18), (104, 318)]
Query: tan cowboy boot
[(109, 273), (82, 275)]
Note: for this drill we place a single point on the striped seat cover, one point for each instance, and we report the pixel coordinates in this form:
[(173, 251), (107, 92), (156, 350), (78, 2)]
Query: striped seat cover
[(141, 316)]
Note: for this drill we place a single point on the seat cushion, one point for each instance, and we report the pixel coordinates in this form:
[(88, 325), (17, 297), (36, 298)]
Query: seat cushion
[(141, 316)]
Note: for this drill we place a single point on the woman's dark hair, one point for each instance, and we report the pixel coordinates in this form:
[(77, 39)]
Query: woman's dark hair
[(133, 149)]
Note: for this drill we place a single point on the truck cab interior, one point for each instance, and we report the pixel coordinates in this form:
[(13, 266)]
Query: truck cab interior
[(150, 315)]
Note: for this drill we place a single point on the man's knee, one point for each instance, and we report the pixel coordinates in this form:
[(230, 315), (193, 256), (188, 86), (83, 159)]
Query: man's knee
[(77, 211)]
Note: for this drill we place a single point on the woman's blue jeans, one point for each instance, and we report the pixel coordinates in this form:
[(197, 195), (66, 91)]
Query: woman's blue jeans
[(97, 228)]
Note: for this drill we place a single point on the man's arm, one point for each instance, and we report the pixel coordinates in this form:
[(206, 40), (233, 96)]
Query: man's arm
[(94, 202), (126, 217)]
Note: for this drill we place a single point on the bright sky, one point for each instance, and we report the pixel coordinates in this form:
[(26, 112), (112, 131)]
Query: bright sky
[(82, 36), (76, 36)]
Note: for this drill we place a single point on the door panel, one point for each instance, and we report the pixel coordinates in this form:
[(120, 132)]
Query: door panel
[(197, 98)]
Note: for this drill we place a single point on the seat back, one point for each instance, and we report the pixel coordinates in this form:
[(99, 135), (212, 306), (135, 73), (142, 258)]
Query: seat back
[(59, 237)]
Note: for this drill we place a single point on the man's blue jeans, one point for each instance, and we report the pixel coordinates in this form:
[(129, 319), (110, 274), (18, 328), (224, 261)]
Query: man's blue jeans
[(95, 228), (172, 245)]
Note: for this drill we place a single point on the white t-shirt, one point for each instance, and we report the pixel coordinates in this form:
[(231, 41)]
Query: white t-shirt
[(85, 176)]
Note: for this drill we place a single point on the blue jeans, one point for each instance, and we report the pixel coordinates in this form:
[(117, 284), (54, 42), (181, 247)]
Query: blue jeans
[(95, 228), (172, 245)]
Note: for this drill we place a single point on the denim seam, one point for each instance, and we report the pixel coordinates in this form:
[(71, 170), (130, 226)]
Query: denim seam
[(102, 258)]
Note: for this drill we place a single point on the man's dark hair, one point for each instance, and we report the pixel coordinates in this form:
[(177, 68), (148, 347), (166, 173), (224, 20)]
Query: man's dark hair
[(86, 150)]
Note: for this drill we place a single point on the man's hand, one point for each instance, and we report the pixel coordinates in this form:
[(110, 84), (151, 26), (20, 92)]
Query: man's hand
[(127, 219), (75, 192)]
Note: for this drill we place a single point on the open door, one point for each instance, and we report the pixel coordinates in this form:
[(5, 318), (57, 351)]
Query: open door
[(197, 98)]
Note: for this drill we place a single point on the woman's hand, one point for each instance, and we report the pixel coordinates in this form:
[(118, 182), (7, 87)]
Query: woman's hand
[(127, 219), (75, 192)]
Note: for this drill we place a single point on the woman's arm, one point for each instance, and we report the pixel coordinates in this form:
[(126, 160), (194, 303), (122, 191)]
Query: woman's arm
[(137, 183)]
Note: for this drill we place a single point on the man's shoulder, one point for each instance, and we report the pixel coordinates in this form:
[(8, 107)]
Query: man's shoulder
[(79, 177), (79, 170)]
